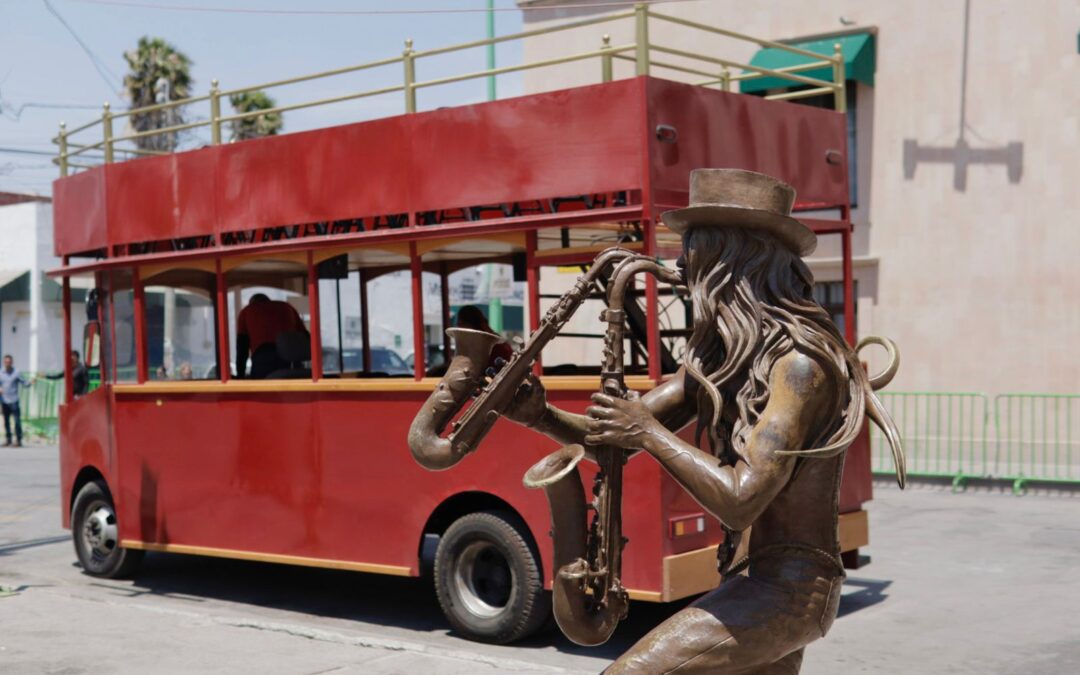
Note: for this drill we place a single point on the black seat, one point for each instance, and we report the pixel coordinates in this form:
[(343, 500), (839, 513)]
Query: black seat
[(294, 348)]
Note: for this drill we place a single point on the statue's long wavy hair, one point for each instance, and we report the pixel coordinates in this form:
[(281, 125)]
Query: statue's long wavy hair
[(753, 303)]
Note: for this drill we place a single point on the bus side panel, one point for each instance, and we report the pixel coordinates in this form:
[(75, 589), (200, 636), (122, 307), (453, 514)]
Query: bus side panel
[(727, 130), (84, 442), (329, 475)]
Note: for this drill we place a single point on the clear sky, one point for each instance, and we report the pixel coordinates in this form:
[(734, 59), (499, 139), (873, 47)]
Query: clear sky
[(42, 63)]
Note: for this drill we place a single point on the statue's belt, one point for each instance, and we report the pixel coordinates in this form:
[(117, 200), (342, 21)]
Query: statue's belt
[(784, 549)]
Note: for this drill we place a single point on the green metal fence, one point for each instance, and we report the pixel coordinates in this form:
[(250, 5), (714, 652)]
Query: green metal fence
[(944, 434), (40, 405), (1015, 437), (1037, 437)]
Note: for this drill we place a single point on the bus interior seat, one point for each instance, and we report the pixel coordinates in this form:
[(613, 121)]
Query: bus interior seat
[(295, 348), (563, 369)]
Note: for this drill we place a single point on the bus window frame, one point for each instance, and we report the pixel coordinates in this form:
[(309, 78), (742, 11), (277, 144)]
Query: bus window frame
[(213, 296)]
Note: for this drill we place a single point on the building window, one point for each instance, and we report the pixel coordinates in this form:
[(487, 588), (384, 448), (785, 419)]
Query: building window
[(830, 295)]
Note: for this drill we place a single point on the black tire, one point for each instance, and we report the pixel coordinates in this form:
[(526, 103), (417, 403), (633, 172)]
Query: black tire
[(488, 578), (96, 535)]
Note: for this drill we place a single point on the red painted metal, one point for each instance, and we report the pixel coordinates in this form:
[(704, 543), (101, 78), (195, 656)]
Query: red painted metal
[(849, 285), (419, 343), (222, 318), (529, 223), (139, 304), (86, 445), (315, 328), (280, 473), (532, 292), (68, 374), (722, 129)]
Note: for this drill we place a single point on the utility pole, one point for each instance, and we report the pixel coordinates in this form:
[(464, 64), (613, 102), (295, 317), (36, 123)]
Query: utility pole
[(495, 310), (491, 48)]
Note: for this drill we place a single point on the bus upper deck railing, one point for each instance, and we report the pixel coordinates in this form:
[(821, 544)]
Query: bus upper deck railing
[(78, 150)]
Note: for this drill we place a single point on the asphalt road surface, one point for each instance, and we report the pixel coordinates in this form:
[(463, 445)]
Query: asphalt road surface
[(979, 582)]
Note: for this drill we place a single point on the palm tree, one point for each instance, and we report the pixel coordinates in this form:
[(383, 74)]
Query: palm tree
[(268, 124), (158, 72)]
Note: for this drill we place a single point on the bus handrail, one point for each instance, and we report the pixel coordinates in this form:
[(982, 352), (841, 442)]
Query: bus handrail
[(74, 142)]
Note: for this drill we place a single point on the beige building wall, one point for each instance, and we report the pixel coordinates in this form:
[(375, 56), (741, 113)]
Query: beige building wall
[(971, 262)]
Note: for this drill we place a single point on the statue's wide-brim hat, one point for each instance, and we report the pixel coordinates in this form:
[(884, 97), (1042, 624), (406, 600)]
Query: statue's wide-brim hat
[(746, 199)]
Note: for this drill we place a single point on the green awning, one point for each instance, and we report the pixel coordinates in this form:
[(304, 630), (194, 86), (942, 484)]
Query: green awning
[(859, 62), (15, 287)]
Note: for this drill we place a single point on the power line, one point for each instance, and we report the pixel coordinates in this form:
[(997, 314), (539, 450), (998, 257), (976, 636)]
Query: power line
[(362, 12), (99, 65), (14, 111), (24, 151)]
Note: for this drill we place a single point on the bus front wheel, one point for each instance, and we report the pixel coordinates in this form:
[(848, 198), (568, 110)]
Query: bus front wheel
[(96, 534), (488, 578)]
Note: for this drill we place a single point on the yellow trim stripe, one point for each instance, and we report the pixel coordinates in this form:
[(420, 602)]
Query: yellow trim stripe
[(646, 596), (373, 568), (560, 383)]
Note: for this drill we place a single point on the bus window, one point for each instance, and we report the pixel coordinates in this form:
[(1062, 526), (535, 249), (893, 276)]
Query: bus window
[(118, 328), (181, 329), (578, 350), (390, 324), (269, 314), (491, 289), (340, 325)]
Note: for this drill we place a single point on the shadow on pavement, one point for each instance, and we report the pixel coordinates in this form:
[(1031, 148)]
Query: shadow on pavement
[(867, 592), (406, 603)]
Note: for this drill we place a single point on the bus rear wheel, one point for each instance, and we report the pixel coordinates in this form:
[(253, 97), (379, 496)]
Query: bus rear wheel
[(488, 578), (96, 534)]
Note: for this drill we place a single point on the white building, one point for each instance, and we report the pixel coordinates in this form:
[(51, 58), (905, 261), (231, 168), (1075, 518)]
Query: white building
[(31, 314)]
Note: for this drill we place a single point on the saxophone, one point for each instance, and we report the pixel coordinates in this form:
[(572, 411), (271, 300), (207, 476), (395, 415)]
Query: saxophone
[(588, 596), (465, 377)]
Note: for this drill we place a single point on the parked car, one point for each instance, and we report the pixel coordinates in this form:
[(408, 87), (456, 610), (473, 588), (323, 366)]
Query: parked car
[(383, 360)]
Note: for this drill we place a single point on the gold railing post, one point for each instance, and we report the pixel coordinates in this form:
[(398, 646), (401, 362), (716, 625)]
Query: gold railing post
[(641, 25), (62, 142), (725, 79), (410, 76), (839, 95), (106, 128), (606, 60), (215, 113)]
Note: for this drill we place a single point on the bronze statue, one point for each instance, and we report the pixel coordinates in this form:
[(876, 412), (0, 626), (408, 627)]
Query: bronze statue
[(777, 396)]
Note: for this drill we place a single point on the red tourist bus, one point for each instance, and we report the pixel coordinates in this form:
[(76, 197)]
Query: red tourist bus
[(310, 466)]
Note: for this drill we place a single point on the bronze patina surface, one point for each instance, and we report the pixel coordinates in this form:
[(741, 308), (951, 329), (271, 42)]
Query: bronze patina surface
[(777, 396)]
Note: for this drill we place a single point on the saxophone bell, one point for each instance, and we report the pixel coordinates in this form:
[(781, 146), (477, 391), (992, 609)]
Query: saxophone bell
[(464, 375), (554, 467)]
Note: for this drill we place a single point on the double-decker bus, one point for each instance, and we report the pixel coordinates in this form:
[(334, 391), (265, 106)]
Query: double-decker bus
[(361, 229)]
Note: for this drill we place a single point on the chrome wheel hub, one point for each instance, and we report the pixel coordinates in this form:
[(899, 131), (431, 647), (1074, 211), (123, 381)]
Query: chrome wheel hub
[(483, 580), (99, 531)]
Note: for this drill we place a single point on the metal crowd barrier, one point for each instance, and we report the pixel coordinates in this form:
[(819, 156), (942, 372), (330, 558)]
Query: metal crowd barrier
[(1015, 437), (40, 405)]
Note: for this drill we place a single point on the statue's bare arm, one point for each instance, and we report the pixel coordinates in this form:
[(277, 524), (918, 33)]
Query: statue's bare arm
[(800, 395)]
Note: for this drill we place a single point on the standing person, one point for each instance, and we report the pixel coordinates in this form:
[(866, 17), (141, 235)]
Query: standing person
[(257, 331), (10, 380), (80, 380), (778, 396)]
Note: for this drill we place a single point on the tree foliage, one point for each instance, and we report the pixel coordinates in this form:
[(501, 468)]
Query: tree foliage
[(255, 126), (157, 72)]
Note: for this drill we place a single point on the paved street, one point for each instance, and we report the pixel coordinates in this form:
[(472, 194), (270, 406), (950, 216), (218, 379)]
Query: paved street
[(978, 582)]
